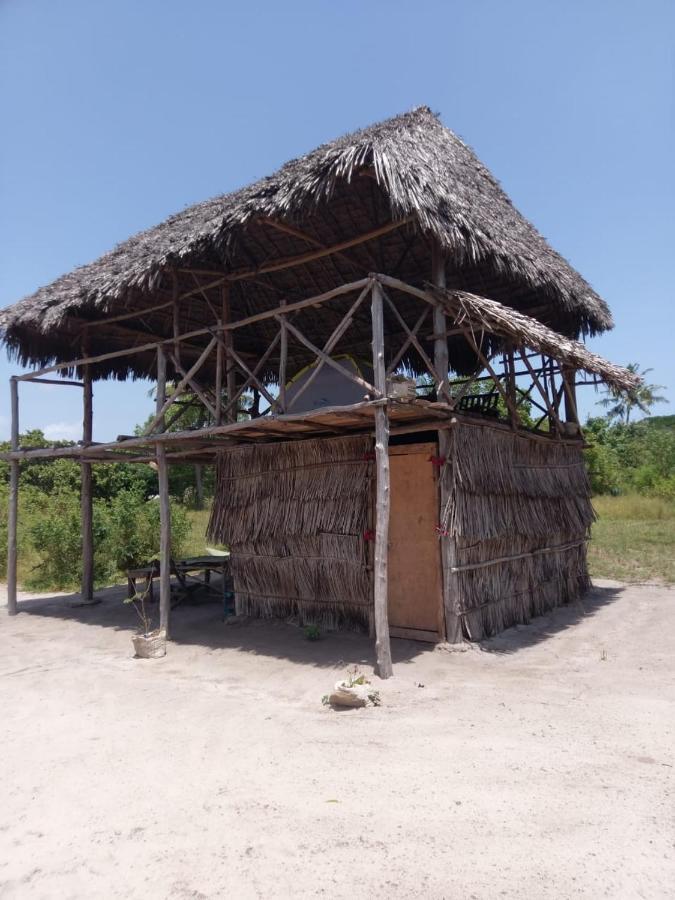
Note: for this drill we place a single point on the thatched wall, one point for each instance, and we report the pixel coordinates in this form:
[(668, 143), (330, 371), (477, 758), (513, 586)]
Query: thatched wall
[(513, 496), (294, 515)]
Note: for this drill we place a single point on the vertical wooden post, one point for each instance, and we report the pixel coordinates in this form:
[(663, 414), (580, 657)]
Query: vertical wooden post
[(383, 499), (13, 511), (230, 379), (176, 316), (453, 624), (283, 360), (164, 508), (199, 487), (511, 386), (219, 375), (86, 494), (569, 379)]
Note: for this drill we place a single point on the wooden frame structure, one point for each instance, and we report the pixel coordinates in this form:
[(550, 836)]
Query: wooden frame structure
[(237, 294), (551, 375)]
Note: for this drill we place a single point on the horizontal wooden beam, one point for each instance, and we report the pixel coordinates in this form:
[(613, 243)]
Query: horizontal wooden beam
[(230, 326), (54, 381), (123, 316), (288, 262), (177, 437), (276, 265)]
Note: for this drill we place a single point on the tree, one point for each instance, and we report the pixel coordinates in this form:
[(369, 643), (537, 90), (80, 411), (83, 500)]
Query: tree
[(620, 403)]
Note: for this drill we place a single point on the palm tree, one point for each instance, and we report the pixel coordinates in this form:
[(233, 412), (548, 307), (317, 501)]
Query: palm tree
[(622, 403)]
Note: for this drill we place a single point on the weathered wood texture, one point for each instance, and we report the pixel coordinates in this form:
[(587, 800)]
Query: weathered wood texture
[(13, 510), (164, 508), (86, 495), (382, 495), (453, 624), (227, 345)]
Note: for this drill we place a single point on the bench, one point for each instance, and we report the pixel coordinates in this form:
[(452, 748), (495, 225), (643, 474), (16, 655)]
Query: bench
[(182, 569)]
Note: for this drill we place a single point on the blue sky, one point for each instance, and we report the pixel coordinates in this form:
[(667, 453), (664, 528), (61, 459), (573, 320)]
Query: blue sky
[(117, 113)]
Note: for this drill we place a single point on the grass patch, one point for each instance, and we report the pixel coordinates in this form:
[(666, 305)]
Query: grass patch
[(196, 543), (633, 539)]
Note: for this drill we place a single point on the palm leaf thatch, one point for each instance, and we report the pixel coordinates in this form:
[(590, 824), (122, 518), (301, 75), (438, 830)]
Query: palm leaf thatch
[(294, 516), (520, 513), (409, 169), (481, 315)]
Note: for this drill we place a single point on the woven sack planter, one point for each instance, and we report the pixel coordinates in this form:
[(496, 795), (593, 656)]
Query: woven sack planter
[(150, 646), (354, 695)]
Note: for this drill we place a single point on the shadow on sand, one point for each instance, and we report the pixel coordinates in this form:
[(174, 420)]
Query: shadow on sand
[(200, 622), (558, 619)]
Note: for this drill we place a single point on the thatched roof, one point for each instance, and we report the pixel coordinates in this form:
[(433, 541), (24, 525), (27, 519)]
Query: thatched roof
[(479, 313), (408, 166)]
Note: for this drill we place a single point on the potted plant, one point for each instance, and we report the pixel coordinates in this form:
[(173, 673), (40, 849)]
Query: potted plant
[(148, 643), (354, 690)]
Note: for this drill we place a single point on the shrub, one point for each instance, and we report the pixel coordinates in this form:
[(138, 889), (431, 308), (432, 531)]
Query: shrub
[(134, 530), (126, 534), (603, 469), (55, 534)]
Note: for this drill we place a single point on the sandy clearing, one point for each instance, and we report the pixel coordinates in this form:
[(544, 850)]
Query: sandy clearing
[(540, 766)]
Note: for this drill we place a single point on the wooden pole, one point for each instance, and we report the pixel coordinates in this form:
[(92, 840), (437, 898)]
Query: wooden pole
[(511, 387), (86, 494), (230, 376), (283, 361), (199, 487), (453, 622), (164, 509), (219, 375), (13, 511), (569, 379), (382, 503)]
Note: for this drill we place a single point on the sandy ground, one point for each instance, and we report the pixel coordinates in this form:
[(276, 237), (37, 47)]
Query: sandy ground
[(540, 765)]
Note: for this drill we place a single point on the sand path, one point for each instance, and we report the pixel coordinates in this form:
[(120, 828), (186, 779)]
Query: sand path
[(540, 766)]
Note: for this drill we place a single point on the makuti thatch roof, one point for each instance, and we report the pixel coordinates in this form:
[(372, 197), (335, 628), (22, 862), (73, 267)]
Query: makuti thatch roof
[(410, 168), (487, 317)]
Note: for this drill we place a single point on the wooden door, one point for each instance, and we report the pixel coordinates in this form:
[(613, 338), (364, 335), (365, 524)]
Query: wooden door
[(415, 579)]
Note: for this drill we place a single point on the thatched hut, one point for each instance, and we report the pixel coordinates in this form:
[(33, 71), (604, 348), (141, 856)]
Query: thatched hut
[(437, 511)]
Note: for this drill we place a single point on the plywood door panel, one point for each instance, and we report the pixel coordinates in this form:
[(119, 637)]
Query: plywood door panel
[(415, 588)]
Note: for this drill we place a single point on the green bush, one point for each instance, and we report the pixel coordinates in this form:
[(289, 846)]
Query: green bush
[(635, 458), (134, 530), (55, 534), (126, 533)]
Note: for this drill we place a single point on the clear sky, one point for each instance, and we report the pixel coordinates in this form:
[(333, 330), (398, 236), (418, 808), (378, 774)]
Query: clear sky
[(117, 113)]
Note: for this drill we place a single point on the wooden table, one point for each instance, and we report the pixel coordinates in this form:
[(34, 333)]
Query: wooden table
[(182, 569)]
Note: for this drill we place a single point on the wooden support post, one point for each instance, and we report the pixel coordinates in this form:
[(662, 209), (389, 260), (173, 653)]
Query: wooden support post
[(230, 377), (86, 494), (219, 376), (453, 623), (164, 508), (569, 379), (13, 511), (382, 503), (511, 387), (283, 361), (199, 487), (176, 316)]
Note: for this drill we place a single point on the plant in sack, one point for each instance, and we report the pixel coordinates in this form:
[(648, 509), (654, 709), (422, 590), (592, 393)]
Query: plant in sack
[(355, 690), (148, 643)]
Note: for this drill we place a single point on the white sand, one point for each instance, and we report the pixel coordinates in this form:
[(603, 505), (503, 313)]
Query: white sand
[(538, 769)]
